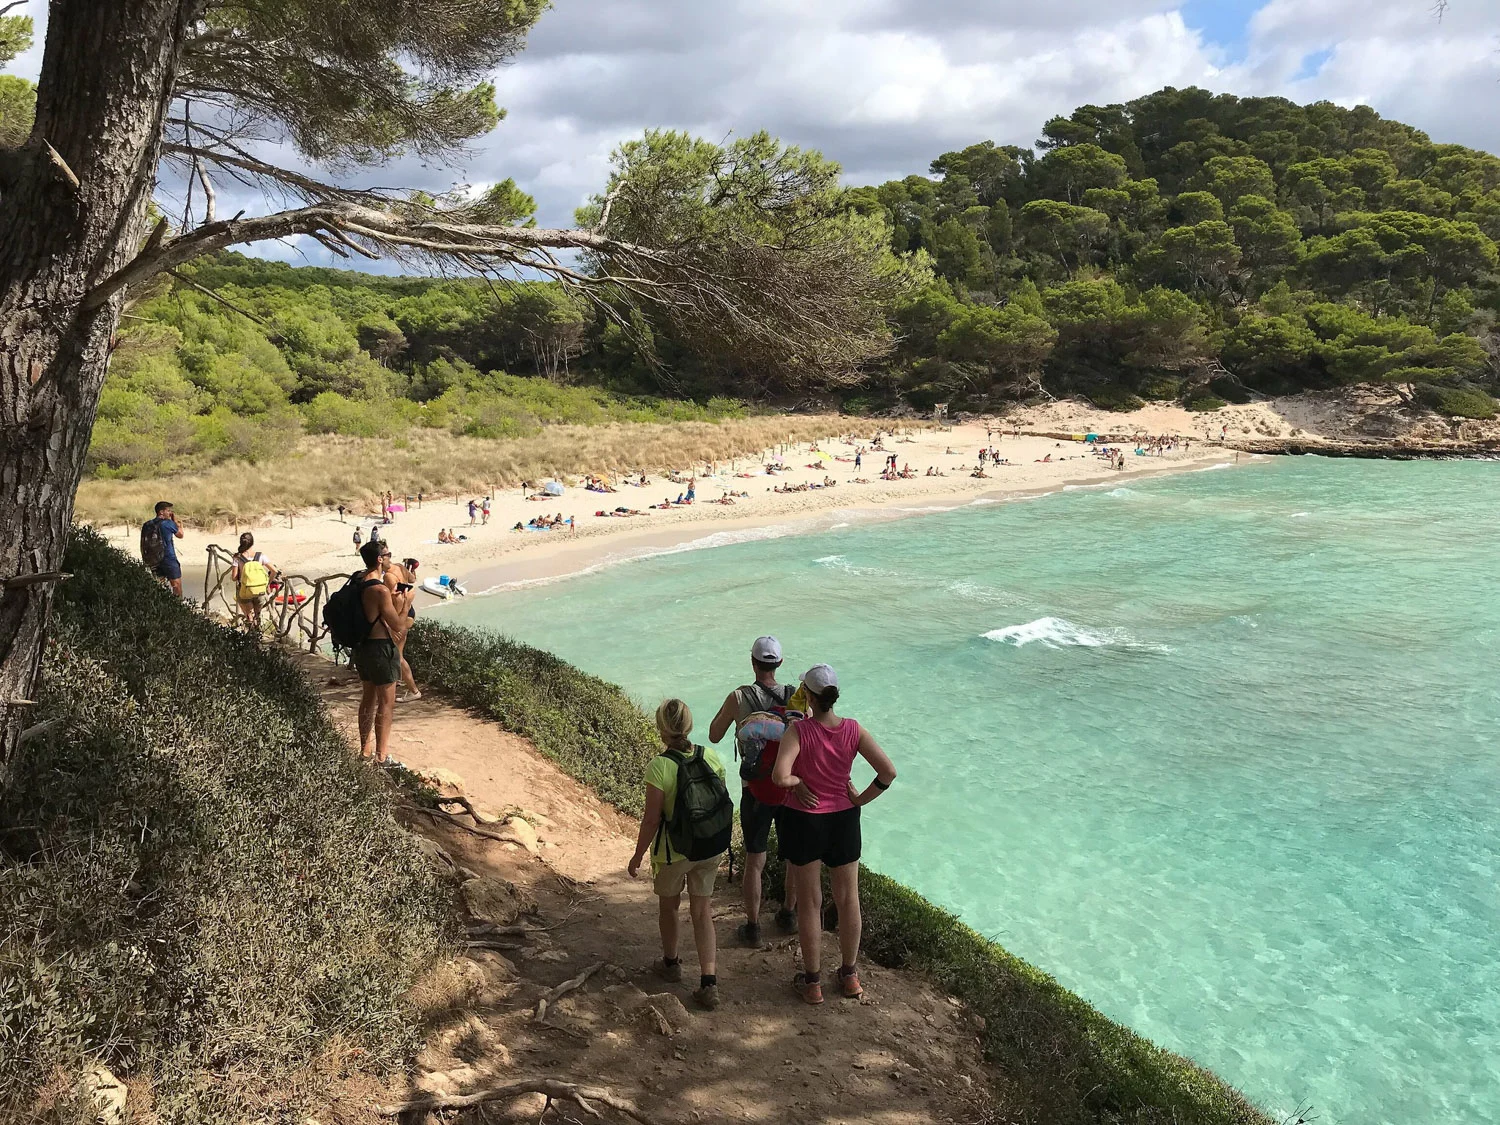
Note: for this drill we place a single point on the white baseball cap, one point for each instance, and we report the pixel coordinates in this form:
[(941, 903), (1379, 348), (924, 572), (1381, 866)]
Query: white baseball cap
[(819, 678), (767, 650)]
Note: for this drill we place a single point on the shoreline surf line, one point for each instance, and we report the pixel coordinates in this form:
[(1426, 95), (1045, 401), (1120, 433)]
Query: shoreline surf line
[(590, 555)]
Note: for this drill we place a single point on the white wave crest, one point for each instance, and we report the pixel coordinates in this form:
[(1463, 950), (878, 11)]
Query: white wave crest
[(1057, 632), (974, 591)]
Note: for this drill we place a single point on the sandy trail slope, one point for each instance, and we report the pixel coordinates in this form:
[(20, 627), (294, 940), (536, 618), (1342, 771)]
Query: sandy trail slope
[(904, 1055)]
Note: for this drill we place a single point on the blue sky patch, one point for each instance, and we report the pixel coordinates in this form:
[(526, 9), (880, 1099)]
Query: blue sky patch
[(1312, 64), (1223, 23)]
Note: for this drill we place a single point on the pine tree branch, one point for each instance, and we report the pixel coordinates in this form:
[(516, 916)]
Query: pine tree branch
[(341, 219)]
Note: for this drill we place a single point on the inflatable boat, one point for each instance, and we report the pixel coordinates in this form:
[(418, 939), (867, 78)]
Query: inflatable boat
[(443, 587)]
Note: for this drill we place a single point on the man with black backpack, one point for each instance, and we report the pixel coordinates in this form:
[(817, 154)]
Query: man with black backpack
[(367, 619), (158, 551), (758, 712)]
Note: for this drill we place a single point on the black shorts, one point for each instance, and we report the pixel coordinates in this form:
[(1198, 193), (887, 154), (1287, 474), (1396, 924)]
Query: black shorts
[(377, 661), (169, 569), (806, 837), (756, 818)]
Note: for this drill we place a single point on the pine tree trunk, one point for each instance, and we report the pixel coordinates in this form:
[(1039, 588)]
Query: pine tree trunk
[(72, 211)]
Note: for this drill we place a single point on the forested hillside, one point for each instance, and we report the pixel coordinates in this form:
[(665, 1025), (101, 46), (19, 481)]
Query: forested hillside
[(1181, 246), (1184, 241)]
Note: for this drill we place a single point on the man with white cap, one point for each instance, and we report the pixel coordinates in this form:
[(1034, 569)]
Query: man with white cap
[(760, 801)]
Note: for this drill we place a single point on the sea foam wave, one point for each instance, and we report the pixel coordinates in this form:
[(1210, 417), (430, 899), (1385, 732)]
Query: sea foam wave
[(1058, 632)]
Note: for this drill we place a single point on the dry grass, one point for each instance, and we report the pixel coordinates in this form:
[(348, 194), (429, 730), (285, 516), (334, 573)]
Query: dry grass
[(327, 471)]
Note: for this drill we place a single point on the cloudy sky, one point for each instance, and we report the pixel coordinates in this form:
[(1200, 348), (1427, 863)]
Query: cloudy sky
[(883, 86)]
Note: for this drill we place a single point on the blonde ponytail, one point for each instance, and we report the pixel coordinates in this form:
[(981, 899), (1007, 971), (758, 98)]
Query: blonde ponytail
[(674, 722)]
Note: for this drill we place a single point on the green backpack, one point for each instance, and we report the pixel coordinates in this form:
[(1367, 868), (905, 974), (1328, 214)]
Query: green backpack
[(702, 819)]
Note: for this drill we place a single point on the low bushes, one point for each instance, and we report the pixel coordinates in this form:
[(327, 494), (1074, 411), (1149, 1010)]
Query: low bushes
[(196, 876), (1456, 402), (1057, 1058)]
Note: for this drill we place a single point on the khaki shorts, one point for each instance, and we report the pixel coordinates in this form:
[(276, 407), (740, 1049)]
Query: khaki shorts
[(698, 874)]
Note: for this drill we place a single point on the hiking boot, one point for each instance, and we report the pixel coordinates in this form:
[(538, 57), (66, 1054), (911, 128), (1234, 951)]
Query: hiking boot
[(786, 921), (707, 997), (849, 984), (810, 991), (749, 933), (670, 971)]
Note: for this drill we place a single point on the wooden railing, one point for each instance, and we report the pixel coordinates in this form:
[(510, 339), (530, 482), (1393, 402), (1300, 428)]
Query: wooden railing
[(282, 615)]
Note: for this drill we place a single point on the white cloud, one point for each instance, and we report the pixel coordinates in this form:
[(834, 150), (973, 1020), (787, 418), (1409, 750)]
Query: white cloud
[(885, 85)]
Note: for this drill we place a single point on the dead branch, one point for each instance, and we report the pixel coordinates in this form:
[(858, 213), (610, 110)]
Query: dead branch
[(239, 160), (447, 818), (62, 166), (210, 200), (497, 946), (410, 229), (274, 337), (462, 802), (553, 1088), (21, 581), (563, 989)]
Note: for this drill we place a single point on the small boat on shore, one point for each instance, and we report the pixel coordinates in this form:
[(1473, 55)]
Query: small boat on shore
[(442, 586)]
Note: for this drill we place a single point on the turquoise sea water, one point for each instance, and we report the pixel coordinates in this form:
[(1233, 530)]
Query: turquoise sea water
[(1218, 750)]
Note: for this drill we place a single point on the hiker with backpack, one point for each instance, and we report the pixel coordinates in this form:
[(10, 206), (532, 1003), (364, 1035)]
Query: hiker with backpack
[(158, 551), (686, 827), (251, 575), (366, 618), (758, 711), (820, 824)]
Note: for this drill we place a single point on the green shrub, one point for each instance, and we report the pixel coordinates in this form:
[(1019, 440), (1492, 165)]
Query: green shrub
[(1115, 398), (1456, 402), (1057, 1058), (1207, 404), (196, 873)]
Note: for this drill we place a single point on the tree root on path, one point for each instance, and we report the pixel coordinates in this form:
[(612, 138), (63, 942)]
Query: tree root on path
[(563, 989), (449, 819), (553, 1088)]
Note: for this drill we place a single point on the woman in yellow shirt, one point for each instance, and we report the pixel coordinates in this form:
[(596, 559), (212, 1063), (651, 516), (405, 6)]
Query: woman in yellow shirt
[(674, 722)]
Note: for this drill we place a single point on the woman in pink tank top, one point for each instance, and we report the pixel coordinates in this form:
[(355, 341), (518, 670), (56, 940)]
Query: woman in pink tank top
[(819, 825)]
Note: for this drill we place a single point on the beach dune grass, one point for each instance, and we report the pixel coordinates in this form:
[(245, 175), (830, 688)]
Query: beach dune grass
[(1056, 1058), (326, 471)]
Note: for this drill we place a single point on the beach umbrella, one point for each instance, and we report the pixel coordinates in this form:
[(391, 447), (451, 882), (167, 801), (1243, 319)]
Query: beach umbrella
[(553, 488)]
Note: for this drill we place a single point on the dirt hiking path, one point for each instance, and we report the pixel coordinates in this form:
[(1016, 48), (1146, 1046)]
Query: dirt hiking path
[(558, 902)]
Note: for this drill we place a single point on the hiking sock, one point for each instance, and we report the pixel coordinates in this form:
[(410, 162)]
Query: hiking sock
[(670, 962), (846, 970), (708, 980), (812, 978)]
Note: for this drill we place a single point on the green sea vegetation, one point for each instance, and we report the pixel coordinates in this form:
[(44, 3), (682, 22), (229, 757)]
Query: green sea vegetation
[(1056, 1058)]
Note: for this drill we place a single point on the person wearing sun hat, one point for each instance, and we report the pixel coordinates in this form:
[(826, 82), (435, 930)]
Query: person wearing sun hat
[(820, 824), (760, 801)]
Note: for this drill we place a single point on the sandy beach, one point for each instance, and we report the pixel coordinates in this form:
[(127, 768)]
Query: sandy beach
[(319, 543)]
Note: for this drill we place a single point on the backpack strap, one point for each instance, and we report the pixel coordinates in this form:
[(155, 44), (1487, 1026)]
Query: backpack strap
[(662, 835)]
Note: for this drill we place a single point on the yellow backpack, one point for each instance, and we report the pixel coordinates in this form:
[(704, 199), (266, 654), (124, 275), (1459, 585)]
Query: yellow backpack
[(255, 579)]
